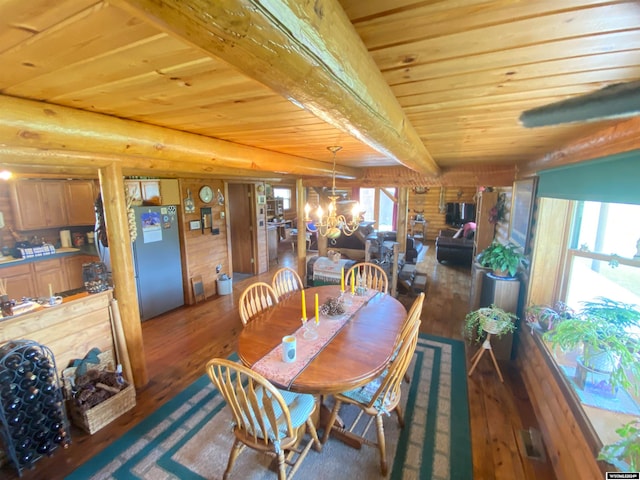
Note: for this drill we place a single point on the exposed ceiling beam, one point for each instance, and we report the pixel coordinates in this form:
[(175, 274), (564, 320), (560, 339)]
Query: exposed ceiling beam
[(307, 52), (91, 138)]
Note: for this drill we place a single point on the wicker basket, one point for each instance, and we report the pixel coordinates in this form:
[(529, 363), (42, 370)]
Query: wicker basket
[(105, 412)]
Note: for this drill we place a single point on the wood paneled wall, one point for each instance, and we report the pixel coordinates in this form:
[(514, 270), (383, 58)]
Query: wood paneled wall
[(202, 251), (570, 453)]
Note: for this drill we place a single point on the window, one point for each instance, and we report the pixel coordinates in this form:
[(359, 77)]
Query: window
[(285, 194), (383, 215), (603, 260)]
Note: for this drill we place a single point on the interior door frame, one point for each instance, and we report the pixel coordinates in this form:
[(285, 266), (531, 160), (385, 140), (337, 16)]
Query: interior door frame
[(252, 225)]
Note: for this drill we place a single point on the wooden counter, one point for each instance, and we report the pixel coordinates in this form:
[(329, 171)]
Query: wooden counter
[(70, 329)]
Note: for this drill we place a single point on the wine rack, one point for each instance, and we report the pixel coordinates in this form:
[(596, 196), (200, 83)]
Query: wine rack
[(32, 414)]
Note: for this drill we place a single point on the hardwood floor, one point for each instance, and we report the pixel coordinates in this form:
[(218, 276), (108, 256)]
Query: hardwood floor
[(178, 344)]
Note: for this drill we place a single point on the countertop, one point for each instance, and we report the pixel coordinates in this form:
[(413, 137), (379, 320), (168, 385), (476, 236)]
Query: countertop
[(87, 249)]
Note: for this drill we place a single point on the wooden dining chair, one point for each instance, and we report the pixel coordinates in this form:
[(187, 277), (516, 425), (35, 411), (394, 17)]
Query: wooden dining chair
[(373, 276), (378, 398), (413, 316), (285, 281), (257, 297), (265, 418)]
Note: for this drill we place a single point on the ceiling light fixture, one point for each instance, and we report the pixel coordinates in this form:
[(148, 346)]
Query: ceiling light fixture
[(332, 225)]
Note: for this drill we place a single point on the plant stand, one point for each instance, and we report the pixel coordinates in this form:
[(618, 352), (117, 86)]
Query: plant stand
[(486, 345)]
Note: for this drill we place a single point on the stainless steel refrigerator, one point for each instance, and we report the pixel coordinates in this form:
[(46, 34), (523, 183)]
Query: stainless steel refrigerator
[(156, 260)]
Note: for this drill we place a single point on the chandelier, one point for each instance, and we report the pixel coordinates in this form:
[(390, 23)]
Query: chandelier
[(332, 225)]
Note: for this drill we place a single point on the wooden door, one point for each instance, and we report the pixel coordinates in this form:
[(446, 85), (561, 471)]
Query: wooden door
[(242, 228)]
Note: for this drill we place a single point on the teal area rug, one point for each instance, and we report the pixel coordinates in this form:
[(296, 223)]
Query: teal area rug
[(190, 436)]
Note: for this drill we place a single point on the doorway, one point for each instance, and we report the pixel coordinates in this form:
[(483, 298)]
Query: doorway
[(241, 225)]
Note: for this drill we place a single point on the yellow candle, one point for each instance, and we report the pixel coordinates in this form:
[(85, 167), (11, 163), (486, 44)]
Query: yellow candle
[(353, 284), (342, 280), (304, 306), (317, 317), (50, 291)]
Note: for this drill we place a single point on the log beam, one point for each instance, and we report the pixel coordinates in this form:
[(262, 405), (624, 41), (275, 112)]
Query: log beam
[(618, 138), (308, 52), (27, 124), (115, 213)]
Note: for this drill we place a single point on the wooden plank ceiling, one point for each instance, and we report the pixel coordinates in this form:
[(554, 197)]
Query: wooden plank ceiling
[(461, 72)]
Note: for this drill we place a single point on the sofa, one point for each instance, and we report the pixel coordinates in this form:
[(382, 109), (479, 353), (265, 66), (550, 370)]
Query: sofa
[(456, 246)]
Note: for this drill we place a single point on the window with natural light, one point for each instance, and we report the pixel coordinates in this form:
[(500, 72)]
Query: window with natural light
[(285, 195), (603, 261), (369, 197)]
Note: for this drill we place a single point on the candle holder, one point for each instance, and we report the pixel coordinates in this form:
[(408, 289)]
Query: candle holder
[(347, 298), (309, 328)]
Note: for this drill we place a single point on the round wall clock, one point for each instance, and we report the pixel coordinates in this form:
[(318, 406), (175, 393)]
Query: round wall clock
[(206, 194)]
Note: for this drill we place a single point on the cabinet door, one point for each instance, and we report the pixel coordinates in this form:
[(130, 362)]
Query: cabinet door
[(19, 281), (28, 205), (49, 272), (73, 269), (54, 203), (80, 197)]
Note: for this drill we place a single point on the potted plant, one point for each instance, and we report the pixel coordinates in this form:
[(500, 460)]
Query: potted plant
[(604, 330), (627, 449), (503, 259), (544, 317), (492, 319)]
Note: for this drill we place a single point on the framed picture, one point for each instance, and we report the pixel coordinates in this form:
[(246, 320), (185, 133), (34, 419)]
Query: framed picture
[(521, 207), (194, 225), (262, 199)]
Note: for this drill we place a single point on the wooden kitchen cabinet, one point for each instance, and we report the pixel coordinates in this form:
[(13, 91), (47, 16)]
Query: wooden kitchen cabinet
[(32, 279), (73, 269), (20, 281), (80, 197), (49, 272), (41, 204)]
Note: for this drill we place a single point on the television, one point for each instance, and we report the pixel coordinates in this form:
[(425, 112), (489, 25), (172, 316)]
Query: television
[(460, 213)]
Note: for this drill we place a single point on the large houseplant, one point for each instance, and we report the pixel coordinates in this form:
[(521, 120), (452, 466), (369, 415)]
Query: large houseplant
[(503, 259), (605, 330)]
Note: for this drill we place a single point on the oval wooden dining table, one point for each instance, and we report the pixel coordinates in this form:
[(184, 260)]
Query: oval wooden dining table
[(357, 353)]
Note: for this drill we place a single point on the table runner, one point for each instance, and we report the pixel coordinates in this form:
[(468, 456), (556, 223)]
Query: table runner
[(281, 373)]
